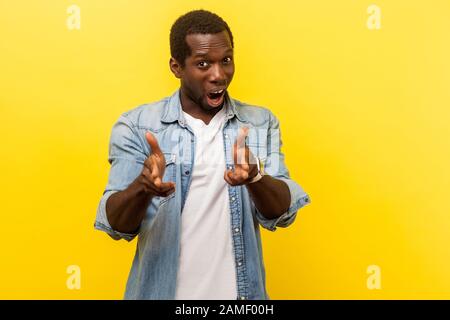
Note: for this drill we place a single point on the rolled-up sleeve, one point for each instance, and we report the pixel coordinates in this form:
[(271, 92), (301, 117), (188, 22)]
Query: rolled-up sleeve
[(275, 167), (126, 157)]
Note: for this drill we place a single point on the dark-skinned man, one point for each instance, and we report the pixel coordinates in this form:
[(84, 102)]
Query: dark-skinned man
[(194, 176)]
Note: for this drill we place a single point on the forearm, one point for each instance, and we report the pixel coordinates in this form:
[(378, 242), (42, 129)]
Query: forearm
[(126, 209), (271, 196)]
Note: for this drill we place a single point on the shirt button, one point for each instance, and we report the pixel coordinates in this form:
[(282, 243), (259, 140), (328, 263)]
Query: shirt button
[(239, 263), (233, 198), (226, 136), (236, 230), (242, 298), (187, 172)]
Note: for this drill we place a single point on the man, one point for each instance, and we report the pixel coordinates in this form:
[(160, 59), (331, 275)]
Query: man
[(184, 178)]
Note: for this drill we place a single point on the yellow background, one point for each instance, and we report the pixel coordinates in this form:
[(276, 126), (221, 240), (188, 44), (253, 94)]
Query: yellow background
[(364, 117)]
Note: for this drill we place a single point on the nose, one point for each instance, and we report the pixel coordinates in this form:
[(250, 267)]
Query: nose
[(217, 74)]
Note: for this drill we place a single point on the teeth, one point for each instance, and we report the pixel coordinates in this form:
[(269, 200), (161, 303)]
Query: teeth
[(220, 91)]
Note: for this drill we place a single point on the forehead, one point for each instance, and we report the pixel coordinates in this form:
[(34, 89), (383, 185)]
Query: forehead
[(204, 44)]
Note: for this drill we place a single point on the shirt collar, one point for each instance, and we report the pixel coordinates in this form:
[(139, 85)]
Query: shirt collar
[(173, 111)]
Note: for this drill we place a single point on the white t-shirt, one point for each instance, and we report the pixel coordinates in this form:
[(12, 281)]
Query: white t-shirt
[(207, 268)]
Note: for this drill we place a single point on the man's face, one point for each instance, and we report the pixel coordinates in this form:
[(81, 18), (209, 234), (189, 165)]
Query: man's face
[(209, 69)]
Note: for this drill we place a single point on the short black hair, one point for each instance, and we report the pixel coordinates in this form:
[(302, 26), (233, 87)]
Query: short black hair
[(194, 22)]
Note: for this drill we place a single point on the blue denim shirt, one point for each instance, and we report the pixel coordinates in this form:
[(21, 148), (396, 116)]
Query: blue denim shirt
[(154, 269)]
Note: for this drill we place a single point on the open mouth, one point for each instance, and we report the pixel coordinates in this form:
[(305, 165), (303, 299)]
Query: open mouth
[(215, 98)]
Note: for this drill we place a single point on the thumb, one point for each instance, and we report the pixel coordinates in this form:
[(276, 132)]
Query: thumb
[(153, 143)]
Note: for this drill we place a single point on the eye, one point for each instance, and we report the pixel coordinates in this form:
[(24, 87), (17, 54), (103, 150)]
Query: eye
[(202, 64), (227, 60)]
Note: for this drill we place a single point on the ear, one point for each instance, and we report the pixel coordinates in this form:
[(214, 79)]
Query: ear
[(175, 67)]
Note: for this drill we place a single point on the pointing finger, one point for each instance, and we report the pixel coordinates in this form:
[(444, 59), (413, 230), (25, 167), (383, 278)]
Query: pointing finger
[(243, 132), (239, 146), (153, 143)]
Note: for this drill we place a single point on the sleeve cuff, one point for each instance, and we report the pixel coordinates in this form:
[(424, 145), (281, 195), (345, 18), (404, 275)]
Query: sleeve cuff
[(102, 223), (298, 200)]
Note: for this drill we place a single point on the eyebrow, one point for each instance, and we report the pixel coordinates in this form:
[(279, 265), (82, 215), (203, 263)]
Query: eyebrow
[(204, 54)]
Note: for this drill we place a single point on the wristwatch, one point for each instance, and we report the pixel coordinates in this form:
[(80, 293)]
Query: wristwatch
[(260, 173)]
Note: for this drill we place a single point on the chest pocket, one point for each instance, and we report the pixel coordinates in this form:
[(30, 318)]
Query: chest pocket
[(257, 141), (258, 144)]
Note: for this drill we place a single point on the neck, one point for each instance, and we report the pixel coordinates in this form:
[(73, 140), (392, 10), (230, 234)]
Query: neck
[(193, 109)]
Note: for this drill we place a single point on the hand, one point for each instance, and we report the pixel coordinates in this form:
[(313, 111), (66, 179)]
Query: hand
[(153, 171), (244, 170)]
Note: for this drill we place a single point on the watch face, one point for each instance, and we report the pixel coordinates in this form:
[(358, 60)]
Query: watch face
[(261, 166)]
